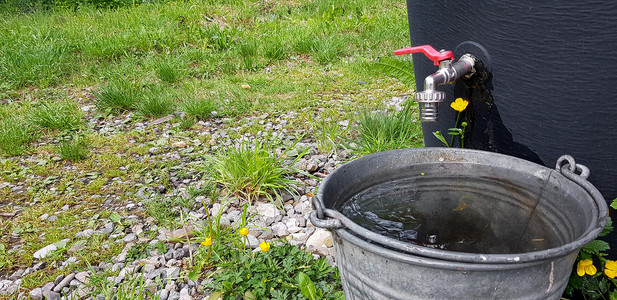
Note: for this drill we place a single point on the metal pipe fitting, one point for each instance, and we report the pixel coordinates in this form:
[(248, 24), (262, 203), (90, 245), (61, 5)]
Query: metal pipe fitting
[(448, 72)]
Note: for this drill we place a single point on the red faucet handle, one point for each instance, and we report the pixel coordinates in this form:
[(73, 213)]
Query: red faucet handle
[(429, 51)]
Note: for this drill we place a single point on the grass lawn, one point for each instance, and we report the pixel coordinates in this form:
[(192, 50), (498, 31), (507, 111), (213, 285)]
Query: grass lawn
[(82, 94)]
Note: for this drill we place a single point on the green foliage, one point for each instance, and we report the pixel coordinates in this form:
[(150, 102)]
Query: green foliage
[(252, 170), (140, 250), (599, 285), (327, 132), (199, 108), (156, 102), (116, 96), (74, 150), (15, 135), (274, 274), (395, 68), (60, 115), (383, 131)]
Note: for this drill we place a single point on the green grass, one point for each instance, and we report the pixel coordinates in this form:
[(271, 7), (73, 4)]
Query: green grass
[(56, 115), (74, 150), (138, 63), (388, 131), (15, 135), (251, 170), (116, 96)]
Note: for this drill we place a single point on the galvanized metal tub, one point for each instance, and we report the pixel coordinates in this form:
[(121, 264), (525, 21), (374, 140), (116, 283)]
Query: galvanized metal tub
[(373, 266)]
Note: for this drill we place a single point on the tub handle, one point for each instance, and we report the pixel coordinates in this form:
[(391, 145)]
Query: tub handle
[(567, 162), (318, 216)]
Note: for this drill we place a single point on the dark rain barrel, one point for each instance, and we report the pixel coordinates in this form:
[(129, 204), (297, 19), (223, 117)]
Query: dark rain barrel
[(549, 85), (525, 223)]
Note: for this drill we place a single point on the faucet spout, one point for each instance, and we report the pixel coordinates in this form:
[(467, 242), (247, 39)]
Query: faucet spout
[(448, 72)]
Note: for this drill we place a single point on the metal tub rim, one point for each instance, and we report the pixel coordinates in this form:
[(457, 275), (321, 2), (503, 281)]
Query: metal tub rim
[(333, 220)]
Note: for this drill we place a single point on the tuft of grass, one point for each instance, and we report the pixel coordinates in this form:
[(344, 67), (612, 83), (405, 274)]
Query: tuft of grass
[(156, 103), (251, 170), (168, 73), (74, 150), (382, 131), (60, 115), (116, 96), (198, 108), (327, 132), (327, 50), (15, 135)]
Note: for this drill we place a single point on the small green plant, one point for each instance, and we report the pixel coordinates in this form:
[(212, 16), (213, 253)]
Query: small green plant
[(168, 73), (459, 105), (156, 103), (251, 170), (328, 133), (383, 131), (74, 150), (199, 108), (15, 135), (61, 115), (116, 96), (278, 272), (585, 281)]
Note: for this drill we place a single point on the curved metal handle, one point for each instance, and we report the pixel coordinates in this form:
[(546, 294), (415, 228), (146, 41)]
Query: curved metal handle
[(567, 162), (325, 223), (429, 51)]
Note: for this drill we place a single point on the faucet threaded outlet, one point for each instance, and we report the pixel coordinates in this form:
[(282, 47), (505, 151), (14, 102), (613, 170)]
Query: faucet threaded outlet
[(429, 104)]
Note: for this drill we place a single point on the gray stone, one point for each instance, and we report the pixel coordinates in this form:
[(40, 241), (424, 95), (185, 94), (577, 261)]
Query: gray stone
[(108, 228), (7, 287), (129, 238), (52, 218), (43, 252), (58, 279), (172, 272), (155, 273), (78, 246), (184, 294), (251, 241), (51, 295), (64, 283), (162, 294), (85, 234), (84, 277), (48, 287), (36, 294), (17, 274), (180, 253), (279, 229), (320, 238), (173, 295)]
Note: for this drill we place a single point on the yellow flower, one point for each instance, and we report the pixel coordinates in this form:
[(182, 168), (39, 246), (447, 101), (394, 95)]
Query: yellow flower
[(610, 269), (264, 247), (207, 242), (585, 266), (244, 231), (459, 104)]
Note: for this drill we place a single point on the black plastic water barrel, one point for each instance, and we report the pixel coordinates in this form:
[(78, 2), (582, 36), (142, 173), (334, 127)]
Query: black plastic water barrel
[(549, 85)]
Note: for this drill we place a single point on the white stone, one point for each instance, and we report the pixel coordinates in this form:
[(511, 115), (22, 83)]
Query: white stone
[(43, 252), (320, 238)]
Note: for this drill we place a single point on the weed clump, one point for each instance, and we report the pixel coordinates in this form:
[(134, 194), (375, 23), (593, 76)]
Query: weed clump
[(251, 170)]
